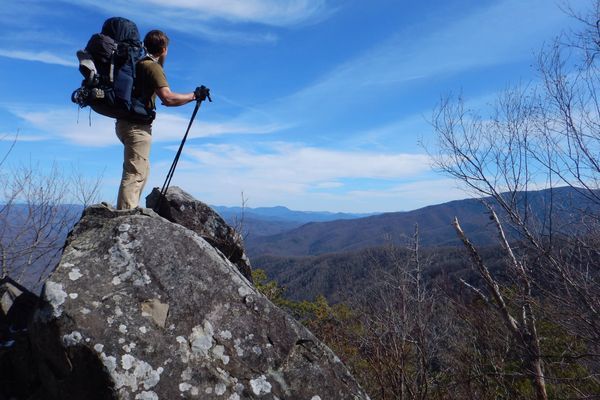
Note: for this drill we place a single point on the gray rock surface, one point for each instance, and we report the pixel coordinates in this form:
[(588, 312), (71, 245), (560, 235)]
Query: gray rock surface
[(143, 309), (183, 209), (18, 377)]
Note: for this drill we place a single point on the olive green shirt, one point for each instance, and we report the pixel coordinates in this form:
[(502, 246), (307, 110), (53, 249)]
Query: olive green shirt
[(149, 77)]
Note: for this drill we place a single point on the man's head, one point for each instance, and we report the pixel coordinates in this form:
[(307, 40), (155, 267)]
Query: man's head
[(156, 43)]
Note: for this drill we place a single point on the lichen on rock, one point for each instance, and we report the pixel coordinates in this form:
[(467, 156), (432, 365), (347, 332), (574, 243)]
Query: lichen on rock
[(55, 296), (161, 314)]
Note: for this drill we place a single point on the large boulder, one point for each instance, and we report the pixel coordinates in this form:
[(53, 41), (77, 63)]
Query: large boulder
[(18, 377), (143, 309), (181, 208)]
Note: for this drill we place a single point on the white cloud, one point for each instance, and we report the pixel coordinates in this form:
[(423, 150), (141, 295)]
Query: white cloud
[(413, 54), (215, 20), (504, 31), (270, 12), (170, 127), (283, 164), (80, 127), (225, 187), (11, 137), (43, 38), (303, 177), (328, 185), (226, 36), (41, 56), (237, 21), (415, 194)]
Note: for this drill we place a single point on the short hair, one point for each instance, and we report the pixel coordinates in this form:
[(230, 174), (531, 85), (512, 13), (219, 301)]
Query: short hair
[(155, 41)]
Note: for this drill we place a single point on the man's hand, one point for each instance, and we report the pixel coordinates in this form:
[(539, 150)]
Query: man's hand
[(202, 93)]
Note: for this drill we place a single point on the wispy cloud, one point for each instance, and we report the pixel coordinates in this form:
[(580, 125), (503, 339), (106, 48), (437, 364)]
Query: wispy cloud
[(381, 73), (170, 127), (238, 21), (80, 127), (286, 162), (77, 127), (39, 56), (268, 12), (413, 195), (284, 172), (454, 47), (50, 38), (309, 179), (11, 137)]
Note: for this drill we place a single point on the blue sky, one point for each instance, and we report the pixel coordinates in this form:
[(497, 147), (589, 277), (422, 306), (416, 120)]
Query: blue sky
[(318, 105)]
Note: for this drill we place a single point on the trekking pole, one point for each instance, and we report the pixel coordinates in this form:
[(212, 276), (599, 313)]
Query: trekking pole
[(204, 94)]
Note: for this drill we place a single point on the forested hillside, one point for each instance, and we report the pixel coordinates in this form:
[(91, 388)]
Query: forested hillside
[(569, 207), (522, 321)]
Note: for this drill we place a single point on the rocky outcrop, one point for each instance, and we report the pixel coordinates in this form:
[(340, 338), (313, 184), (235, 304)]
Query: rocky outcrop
[(143, 309), (181, 208), (17, 364)]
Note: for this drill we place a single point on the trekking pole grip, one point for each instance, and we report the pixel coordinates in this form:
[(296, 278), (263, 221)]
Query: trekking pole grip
[(202, 93)]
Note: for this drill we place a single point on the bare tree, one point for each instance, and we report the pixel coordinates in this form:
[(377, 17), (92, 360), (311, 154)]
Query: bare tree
[(523, 326), (539, 137), (36, 212), (84, 190), (400, 337)]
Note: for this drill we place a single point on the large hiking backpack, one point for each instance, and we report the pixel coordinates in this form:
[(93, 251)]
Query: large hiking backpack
[(108, 68)]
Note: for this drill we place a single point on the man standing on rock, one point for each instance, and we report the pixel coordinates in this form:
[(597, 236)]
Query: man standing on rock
[(150, 82)]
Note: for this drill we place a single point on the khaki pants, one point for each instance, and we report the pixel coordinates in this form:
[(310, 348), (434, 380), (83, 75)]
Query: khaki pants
[(136, 165)]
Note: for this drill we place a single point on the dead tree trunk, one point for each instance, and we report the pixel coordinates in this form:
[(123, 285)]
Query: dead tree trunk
[(523, 330)]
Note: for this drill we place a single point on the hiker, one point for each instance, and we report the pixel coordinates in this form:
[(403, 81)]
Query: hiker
[(136, 137)]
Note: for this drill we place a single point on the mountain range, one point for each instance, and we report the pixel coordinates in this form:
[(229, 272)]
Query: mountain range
[(338, 258), (265, 221), (299, 247), (434, 224)]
